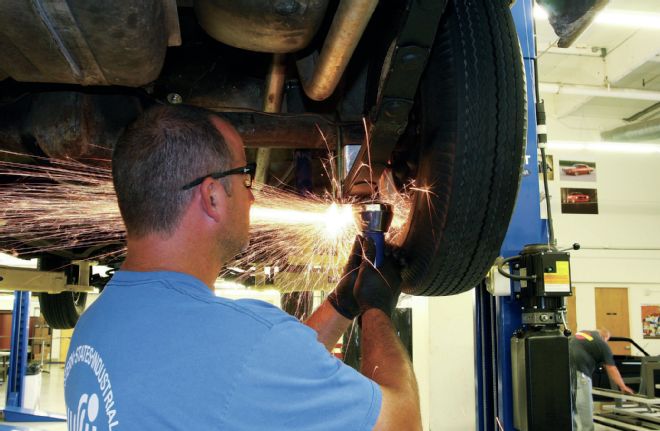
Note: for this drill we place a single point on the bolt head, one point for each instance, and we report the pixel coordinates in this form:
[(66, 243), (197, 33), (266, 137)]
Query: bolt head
[(174, 98), (286, 7)]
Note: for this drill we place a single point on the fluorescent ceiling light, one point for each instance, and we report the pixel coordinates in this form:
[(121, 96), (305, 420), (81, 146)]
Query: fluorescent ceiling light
[(621, 18), (606, 147), (540, 13), (629, 19)]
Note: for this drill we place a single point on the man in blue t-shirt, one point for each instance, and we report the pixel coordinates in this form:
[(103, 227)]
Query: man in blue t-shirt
[(588, 350), (158, 350)]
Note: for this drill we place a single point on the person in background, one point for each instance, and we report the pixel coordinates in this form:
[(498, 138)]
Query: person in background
[(588, 350)]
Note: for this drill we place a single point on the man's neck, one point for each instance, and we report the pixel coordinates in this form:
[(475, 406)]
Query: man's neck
[(154, 253)]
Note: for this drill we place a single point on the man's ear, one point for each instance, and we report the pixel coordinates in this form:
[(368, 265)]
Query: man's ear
[(213, 197)]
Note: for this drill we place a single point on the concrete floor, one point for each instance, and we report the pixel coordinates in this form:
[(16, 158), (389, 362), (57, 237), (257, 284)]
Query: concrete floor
[(51, 401)]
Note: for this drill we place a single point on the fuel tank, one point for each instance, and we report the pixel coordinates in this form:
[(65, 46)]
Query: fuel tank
[(275, 26)]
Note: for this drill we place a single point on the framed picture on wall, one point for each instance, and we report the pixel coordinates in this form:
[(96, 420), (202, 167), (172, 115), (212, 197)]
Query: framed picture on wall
[(651, 321), (579, 201), (577, 170), (549, 161)]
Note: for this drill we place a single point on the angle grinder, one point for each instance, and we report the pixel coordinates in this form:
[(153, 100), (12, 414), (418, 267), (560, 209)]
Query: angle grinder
[(374, 219)]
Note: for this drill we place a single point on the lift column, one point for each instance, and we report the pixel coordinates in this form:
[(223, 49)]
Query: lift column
[(18, 354), (498, 318)]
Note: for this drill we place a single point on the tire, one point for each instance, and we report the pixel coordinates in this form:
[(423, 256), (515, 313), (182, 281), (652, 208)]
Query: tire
[(60, 310), (465, 144)]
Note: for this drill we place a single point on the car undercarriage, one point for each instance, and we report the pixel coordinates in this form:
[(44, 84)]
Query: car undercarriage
[(428, 94)]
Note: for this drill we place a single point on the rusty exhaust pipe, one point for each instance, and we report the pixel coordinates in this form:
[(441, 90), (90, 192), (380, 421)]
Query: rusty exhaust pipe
[(320, 77), (272, 104)]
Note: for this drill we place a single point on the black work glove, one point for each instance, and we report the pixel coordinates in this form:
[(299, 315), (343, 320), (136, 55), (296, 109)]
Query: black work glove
[(379, 287), (342, 298)]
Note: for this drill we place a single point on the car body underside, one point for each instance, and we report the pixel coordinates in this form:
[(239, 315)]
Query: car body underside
[(80, 71)]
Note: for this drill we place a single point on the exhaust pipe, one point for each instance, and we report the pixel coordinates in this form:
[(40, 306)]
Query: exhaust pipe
[(320, 74)]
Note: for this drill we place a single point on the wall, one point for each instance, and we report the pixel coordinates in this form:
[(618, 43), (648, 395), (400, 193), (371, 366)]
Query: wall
[(7, 298), (620, 245), (443, 357)]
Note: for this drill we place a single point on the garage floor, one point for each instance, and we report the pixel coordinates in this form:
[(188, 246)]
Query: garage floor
[(52, 400)]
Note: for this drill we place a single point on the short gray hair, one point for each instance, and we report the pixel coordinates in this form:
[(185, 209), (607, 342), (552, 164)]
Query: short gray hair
[(164, 149), (605, 333)]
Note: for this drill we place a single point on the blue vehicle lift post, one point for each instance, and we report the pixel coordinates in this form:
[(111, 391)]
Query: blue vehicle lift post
[(18, 363), (497, 319), (18, 354)]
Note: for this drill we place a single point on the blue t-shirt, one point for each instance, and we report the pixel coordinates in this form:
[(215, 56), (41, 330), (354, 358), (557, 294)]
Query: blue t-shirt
[(157, 351)]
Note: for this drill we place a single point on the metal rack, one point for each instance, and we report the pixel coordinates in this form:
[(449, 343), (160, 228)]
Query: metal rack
[(628, 412)]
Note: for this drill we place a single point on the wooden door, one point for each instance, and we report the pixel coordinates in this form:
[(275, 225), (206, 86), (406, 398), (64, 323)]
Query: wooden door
[(612, 313), (571, 312)]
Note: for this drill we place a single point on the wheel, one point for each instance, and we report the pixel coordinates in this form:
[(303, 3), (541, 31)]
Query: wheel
[(60, 310), (464, 149)]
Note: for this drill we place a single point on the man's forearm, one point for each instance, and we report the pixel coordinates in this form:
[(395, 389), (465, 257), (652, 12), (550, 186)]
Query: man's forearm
[(385, 361), (615, 375), (328, 324)]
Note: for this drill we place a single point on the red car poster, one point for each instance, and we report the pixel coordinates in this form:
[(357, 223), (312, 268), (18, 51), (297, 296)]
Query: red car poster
[(576, 170), (579, 201)]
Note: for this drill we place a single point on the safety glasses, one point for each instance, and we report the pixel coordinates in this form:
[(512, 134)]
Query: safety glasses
[(248, 171)]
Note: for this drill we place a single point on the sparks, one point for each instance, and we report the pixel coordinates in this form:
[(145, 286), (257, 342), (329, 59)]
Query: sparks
[(307, 238), (70, 205)]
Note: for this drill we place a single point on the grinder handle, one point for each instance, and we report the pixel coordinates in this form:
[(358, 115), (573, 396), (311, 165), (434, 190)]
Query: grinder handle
[(379, 241)]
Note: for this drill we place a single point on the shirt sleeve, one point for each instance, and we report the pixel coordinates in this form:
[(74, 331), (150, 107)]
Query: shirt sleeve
[(291, 382), (608, 358)]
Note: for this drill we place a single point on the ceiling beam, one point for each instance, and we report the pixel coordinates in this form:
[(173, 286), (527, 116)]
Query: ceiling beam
[(631, 54), (622, 61), (598, 91)]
